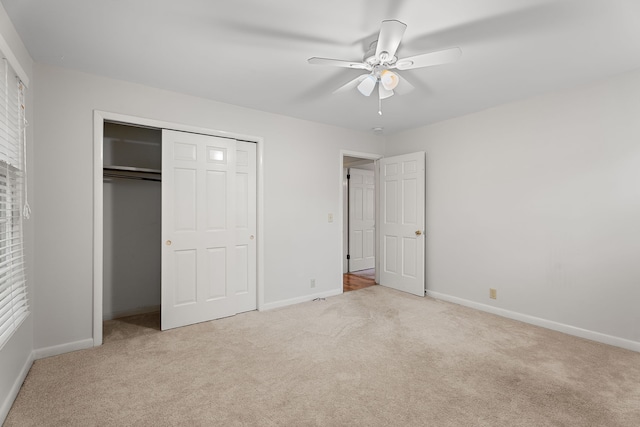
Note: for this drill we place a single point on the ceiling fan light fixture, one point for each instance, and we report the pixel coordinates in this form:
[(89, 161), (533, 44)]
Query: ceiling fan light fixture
[(367, 85), (389, 79), (383, 92)]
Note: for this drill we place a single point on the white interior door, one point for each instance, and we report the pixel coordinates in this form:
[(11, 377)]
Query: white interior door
[(201, 244), (361, 219), (402, 206)]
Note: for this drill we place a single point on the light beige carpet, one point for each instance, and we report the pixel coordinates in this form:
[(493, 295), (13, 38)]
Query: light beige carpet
[(374, 357)]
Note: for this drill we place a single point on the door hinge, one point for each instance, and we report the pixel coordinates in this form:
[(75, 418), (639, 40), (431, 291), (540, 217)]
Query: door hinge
[(348, 176), (348, 256)]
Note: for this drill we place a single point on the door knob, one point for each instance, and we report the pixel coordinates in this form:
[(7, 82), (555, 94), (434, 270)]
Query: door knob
[(168, 242), (418, 232), (251, 237)]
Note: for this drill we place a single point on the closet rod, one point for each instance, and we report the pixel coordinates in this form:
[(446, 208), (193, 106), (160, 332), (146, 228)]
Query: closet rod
[(140, 178), (130, 169)]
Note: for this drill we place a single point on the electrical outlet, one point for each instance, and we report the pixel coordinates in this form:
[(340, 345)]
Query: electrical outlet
[(493, 293), (313, 283)]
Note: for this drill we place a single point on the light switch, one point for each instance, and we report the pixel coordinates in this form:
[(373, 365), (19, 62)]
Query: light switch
[(330, 217)]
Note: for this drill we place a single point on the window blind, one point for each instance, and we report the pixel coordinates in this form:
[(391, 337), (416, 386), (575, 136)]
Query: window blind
[(14, 307)]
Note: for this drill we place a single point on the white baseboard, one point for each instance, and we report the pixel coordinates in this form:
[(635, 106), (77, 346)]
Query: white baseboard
[(131, 312), (55, 350), (549, 324), (15, 388), (292, 301)]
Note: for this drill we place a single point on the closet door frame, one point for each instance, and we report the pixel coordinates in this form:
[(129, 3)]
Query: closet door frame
[(99, 117)]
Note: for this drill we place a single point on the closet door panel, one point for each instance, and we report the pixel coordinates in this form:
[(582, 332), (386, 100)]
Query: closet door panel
[(132, 221), (216, 200), (242, 269), (185, 192), (242, 202), (216, 262), (186, 152), (185, 277)]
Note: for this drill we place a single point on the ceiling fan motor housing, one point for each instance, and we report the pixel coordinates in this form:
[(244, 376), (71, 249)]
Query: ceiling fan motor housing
[(371, 58)]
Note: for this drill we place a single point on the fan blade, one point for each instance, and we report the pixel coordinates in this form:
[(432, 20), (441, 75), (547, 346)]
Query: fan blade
[(339, 63), (391, 32), (403, 87), (352, 84), (429, 59), (383, 92)]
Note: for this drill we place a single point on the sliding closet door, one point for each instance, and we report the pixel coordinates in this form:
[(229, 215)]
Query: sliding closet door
[(204, 252), (246, 226)]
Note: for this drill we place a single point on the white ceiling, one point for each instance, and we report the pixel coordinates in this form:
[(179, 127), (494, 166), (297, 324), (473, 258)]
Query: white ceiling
[(254, 53)]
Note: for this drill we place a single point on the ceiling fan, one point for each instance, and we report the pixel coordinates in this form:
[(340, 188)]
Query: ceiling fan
[(381, 58)]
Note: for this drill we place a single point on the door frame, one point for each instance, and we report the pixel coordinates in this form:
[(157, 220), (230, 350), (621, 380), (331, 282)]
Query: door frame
[(99, 117), (341, 208)]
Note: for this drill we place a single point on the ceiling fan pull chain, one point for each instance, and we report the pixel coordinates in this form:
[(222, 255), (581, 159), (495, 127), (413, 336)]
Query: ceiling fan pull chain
[(380, 106)]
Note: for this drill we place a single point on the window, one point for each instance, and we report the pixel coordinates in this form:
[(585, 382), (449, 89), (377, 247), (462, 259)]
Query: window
[(14, 306)]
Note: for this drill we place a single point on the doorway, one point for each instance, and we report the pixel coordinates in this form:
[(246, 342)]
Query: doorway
[(131, 226), (399, 219), (359, 218)]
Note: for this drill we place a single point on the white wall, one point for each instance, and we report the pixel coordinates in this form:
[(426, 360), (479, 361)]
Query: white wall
[(301, 186), (16, 355), (540, 199)]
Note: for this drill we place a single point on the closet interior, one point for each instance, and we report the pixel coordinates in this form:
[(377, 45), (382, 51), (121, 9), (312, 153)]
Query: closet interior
[(132, 162)]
